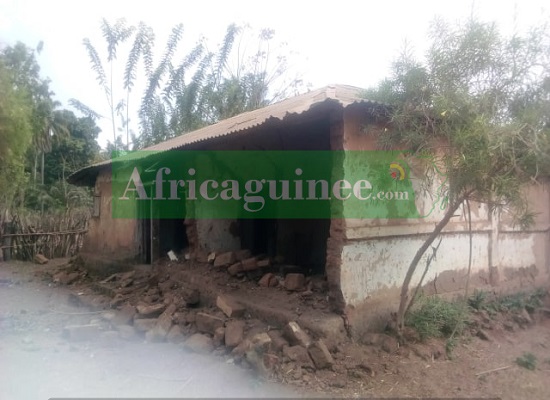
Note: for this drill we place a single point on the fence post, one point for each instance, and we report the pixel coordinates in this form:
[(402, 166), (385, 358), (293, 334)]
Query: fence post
[(6, 241)]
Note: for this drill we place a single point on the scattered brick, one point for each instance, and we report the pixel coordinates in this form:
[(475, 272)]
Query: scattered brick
[(298, 354), (230, 307), (207, 323), (277, 340), (296, 335), (261, 342), (265, 263), (150, 311), (250, 264), (225, 259), (295, 281), (235, 268), (266, 279), (234, 333), (320, 355), (199, 343)]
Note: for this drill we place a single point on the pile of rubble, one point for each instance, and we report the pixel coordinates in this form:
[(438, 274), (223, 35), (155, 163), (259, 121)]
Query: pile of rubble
[(271, 272), (152, 305)]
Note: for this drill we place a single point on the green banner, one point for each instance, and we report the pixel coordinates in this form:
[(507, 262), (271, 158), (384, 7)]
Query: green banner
[(262, 184)]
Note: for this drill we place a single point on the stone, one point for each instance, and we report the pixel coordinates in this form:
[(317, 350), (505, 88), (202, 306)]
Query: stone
[(242, 254), (40, 259), (264, 281), (199, 343), (175, 335), (235, 269), (163, 325), (219, 337), (230, 307), (225, 259), (211, 258), (241, 349), (320, 355), (192, 297), (298, 354), (249, 264), (150, 311), (207, 323), (167, 286), (296, 335), (294, 282), (127, 332), (277, 340), (234, 333), (124, 316), (81, 333), (261, 342), (144, 324)]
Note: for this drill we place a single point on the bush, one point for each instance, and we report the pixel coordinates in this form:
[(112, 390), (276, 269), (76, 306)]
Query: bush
[(527, 360), (435, 317)]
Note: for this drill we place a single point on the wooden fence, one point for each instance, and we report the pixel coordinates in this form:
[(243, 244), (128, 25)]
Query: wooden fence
[(53, 235)]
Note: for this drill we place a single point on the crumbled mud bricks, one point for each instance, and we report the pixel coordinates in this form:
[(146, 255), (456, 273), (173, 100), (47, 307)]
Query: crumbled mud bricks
[(230, 307)]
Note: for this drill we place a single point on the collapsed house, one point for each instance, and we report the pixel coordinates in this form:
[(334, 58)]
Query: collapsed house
[(364, 260)]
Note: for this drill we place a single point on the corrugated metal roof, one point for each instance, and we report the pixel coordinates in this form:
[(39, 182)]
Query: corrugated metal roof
[(341, 94)]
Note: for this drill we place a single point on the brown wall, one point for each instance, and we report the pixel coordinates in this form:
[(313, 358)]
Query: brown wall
[(375, 254), (108, 237)]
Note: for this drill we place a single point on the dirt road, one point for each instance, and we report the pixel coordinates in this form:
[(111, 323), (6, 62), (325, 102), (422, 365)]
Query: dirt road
[(36, 362)]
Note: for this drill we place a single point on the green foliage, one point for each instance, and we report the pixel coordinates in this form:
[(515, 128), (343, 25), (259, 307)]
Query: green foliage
[(528, 361), (512, 302), (435, 317), (488, 97), (201, 89), (16, 132), (477, 300)]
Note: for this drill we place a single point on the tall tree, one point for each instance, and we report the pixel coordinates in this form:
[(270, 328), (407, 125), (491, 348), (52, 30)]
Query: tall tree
[(24, 70), (15, 136), (487, 97), (199, 89)]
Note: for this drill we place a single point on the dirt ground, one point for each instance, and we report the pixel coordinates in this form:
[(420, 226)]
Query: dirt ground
[(38, 362)]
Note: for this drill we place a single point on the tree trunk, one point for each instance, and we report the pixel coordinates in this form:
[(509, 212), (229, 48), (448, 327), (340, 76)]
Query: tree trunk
[(42, 170), (414, 263)]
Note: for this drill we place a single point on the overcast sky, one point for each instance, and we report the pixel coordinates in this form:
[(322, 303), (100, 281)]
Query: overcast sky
[(346, 41)]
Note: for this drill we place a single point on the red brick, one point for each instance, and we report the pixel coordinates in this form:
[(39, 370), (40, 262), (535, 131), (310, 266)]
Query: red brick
[(225, 259), (250, 264), (295, 281), (266, 279), (207, 323), (235, 268), (320, 355), (234, 333), (230, 307)]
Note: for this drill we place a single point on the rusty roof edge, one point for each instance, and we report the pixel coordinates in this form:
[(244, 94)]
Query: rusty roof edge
[(344, 95)]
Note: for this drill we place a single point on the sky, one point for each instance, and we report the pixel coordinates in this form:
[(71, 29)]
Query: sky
[(347, 41)]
